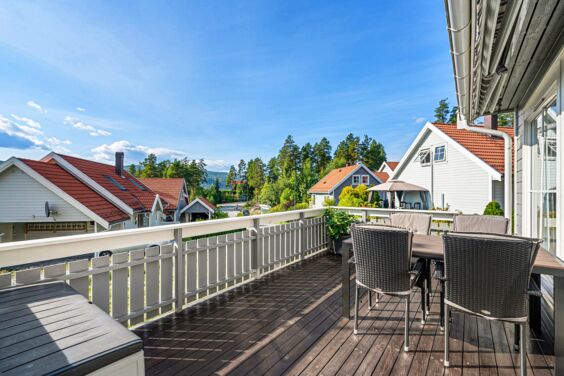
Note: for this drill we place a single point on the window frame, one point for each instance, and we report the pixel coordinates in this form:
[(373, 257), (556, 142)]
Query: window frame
[(356, 176), (362, 179), (421, 151), (444, 153)]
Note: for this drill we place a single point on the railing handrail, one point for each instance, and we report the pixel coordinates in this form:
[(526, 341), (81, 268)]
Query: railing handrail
[(38, 250), (436, 214)]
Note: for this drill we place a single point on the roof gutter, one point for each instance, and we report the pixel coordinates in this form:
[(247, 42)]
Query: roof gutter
[(459, 25)]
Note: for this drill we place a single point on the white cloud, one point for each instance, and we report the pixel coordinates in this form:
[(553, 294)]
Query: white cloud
[(105, 152), (35, 105), (80, 109), (56, 141), (27, 121), (216, 164), (25, 134), (420, 120), (92, 131)]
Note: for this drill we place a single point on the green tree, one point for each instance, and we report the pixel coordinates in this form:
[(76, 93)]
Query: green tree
[(231, 175), (453, 117), (442, 112), (372, 153), (132, 169), (354, 197), (272, 170), (175, 169), (493, 208), (306, 152), (321, 155), (270, 193), (289, 156), (255, 176), (242, 170), (348, 149), (505, 120), (150, 167)]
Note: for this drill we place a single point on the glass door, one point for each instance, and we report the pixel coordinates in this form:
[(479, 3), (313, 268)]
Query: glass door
[(544, 153)]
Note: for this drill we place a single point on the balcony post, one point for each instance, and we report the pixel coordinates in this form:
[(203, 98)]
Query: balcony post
[(179, 275), (363, 216), (302, 236), (255, 248)]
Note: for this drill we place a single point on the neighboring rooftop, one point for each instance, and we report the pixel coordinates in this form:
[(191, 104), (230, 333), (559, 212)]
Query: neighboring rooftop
[(331, 180), (169, 189), (487, 148), (383, 176)]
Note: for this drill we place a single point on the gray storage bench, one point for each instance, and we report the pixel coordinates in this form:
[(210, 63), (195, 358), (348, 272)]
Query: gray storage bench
[(49, 328)]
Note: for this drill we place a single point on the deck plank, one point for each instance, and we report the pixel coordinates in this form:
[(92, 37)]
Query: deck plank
[(289, 323)]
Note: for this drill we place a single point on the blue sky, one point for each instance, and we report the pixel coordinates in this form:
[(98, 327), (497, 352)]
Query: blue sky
[(216, 80)]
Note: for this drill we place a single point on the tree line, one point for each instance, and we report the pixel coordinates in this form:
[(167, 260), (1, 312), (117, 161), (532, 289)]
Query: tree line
[(283, 181)]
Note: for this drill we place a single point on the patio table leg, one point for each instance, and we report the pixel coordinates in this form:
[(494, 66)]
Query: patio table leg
[(535, 306), (558, 325), (346, 276)]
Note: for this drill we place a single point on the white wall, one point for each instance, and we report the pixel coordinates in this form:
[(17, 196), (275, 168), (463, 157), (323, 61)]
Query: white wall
[(498, 190), (466, 186), (22, 199), (319, 200)]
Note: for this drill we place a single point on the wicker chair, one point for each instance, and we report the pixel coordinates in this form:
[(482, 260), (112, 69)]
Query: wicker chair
[(418, 224), (488, 276), (383, 265), (473, 223)]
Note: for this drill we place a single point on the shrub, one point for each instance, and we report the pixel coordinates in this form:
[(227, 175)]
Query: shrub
[(218, 214), (493, 208), (329, 201), (338, 222), (354, 197)]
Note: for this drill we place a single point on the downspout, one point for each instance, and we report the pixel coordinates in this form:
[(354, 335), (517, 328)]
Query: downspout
[(459, 27)]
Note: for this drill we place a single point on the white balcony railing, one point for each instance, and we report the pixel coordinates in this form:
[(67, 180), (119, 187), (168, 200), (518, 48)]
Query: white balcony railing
[(151, 277)]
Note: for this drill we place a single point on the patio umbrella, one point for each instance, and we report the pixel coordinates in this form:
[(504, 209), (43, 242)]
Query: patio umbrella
[(395, 186)]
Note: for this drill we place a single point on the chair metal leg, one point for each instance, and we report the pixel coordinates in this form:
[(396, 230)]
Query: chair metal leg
[(442, 305), (406, 330), (428, 286), (369, 300), (516, 336), (523, 347), (355, 330), (423, 306), (446, 360)]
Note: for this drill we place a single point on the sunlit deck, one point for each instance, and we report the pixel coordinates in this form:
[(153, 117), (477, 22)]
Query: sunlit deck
[(290, 323)]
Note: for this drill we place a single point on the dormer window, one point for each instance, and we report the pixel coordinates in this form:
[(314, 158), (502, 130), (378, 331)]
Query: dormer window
[(356, 179), (440, 153), (424, 157), (365, 179)]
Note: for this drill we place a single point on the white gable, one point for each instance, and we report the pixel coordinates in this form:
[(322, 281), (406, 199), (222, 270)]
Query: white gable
[(465, 184), (22, 199)]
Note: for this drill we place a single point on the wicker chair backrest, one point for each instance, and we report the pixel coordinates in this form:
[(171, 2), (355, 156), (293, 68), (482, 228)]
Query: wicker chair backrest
[(415, 222), (489, 274), (487, 224), (382, 257)]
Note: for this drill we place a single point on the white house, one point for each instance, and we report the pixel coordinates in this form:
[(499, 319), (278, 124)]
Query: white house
[(462, 170), (63, 195), (332, 184)]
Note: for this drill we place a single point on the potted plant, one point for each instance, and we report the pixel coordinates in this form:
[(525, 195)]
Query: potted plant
[(338, 224)]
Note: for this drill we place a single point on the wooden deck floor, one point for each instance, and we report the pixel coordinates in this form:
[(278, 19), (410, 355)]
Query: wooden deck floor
[(289, 323)]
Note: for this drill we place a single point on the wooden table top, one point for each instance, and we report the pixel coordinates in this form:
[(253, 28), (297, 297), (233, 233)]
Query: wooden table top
[(431, 246)]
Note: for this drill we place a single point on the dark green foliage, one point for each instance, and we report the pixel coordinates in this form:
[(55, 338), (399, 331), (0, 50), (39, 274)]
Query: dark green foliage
[(338, 222), (493, 208)]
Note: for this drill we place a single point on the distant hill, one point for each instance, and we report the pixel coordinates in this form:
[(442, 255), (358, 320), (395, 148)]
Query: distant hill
[(216, 174)]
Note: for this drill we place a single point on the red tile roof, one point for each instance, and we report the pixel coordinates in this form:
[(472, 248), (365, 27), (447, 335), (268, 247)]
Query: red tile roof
[(333, 178), (207, 203), (383, 176), (487, 148), (135, 194), (392, 165), (78, 190), (168, 189)]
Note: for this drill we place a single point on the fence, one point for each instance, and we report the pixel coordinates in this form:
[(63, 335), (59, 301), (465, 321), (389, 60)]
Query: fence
[(147, 281)]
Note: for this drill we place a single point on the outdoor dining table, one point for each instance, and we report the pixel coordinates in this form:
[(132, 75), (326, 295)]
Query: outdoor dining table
[(431, 247)]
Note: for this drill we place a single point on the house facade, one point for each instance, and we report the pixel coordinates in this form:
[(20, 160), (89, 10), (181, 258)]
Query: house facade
[(199, 209), (331, 186), (174, 192), (63, 195), (462, 170)]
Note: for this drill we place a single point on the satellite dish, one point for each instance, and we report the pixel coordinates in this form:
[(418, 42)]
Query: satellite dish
[(48, 211)]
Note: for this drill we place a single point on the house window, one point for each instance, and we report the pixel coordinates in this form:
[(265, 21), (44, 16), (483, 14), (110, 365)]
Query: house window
[(114, 182), (543, 186), (365, 179), (356, 179), (440, 153), (424, 156)]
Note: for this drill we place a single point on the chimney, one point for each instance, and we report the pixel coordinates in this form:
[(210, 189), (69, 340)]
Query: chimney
[(490, 122), (119, 163)]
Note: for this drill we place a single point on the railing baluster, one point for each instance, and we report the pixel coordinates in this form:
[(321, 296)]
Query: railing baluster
[(101, 283), (136, 288), (152, 280), (192, 268), (79, 284), (256, 248), (119, 285), (179, 276), (166, 277), (302, 232)]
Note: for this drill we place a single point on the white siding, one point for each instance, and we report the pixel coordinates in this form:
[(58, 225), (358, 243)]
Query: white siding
[(465, 185), (22, 199), (319, 200), (498, 190)]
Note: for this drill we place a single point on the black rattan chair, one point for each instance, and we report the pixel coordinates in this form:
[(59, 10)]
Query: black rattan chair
[(488, 276), (472, 223), (383, 265)]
